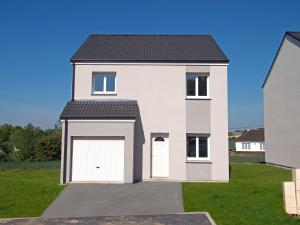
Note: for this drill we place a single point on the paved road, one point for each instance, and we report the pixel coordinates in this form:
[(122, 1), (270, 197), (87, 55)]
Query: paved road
[(167, 219), (88, 200)]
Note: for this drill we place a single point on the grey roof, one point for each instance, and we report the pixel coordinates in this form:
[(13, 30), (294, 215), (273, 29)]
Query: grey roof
[(294, 34), (100, 109), (150, 48)]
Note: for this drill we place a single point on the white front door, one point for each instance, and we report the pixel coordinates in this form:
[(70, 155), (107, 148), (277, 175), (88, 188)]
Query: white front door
[(160, 156), (98, 159)]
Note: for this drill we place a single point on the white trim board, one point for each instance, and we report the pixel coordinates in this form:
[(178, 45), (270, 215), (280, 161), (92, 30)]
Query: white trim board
[(154, 64)]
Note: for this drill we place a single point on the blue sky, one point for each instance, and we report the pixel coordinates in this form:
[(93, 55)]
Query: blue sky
[(37, 39)]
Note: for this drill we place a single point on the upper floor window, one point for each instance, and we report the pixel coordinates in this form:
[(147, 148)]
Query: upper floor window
[(262, 146), (104, 83), (197, 147), (197, 85)]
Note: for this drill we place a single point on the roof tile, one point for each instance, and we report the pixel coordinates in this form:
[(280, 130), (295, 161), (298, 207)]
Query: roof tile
[(150, 48)]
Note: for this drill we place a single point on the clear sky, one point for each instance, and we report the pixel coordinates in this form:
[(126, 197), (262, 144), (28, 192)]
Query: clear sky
[(37, 39)]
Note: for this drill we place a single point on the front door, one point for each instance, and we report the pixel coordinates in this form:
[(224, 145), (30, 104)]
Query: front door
[(160, 156)]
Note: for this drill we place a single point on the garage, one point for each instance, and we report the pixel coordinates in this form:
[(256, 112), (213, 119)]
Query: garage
[(98, 141), (98, 159)]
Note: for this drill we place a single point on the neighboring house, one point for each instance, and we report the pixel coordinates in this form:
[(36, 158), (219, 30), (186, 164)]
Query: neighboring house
[(251, 140), (146, 107), (282, 104)]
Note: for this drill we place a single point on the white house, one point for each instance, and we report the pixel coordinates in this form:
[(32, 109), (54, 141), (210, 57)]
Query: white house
[(146, 108), (251, 140)]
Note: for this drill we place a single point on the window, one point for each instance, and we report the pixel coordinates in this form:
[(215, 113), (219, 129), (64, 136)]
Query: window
[(197, 85), (159, 139), (262, 146), (197, 147), (246, 146), (104, 83)]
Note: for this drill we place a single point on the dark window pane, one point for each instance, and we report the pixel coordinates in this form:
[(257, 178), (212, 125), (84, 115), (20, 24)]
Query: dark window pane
[(203, 151), (202, 85), (191, 147), (110, 83), (159, 139), (98, 83), (190, 85)]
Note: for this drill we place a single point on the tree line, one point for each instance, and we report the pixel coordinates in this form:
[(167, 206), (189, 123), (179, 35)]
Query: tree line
[(29, 143)]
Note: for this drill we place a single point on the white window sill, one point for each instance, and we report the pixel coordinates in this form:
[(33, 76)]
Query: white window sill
[(104, 93), (198, 161), (198, 98)]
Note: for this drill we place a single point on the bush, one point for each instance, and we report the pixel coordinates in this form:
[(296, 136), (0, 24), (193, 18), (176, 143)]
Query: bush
[(48, 147), (29, 143)]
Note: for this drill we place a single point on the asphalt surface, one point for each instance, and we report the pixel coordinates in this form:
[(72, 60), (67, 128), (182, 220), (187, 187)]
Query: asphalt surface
[(92, 200), (166, 219)]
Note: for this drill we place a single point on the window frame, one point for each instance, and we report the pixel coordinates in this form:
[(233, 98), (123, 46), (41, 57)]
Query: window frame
[(105, 75), (246, 145), (197, 158), (197, 96)]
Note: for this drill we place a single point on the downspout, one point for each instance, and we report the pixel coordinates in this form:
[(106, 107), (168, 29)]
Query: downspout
[(65, 151), (73, 81)]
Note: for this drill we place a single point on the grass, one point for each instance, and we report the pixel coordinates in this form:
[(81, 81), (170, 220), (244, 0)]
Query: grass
[(246, 159), (253, 196), (27, 193)]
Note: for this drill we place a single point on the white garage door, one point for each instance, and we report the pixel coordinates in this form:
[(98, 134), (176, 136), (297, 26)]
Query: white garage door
[(98, 159)]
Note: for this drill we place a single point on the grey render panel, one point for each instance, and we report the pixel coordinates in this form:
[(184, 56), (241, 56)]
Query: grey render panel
[(102, 129), (282, 106), (198, 116), (100, 109), (196, 171), (150, 48)]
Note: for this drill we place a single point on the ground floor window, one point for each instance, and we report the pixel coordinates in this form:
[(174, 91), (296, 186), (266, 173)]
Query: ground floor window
[(198, 147), (246, 146)]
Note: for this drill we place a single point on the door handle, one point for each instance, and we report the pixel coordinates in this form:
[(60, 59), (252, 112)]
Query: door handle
[(97, 167)]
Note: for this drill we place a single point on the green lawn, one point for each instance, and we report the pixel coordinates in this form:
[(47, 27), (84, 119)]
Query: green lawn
[(27, 193), (252, 197)]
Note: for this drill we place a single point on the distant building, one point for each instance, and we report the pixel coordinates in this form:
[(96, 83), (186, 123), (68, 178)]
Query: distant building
[(251, 140)]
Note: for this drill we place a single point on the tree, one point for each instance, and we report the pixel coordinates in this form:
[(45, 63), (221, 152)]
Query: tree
[(6, 147), (24, 140), (48, 146)]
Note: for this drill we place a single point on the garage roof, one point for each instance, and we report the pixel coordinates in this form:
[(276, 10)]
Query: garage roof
[(150, 48), (100, 109)]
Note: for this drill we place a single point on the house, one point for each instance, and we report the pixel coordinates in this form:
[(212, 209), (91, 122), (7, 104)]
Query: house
[(282, 106), (146, 108), (251, 140)]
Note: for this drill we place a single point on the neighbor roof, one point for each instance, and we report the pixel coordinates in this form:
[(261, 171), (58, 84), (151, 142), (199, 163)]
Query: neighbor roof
[(257, 135), (293, 34), (150, 48), (100, 109)]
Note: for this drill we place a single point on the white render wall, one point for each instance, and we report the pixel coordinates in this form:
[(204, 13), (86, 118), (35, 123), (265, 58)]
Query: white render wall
[(160, 90), (282, 107), (254, 146)]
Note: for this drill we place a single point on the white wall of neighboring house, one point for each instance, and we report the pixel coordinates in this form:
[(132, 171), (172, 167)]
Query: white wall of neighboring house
[(250, 146)]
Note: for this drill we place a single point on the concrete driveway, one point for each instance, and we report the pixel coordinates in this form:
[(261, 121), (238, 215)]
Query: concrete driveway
[(88, 200)]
